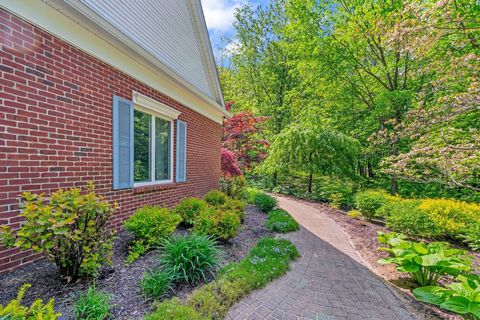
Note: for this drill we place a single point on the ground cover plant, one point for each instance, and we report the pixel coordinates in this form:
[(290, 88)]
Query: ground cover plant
[(269, 259), (69, 228), (426, 263), (264, 201), (92, 305), (38, 310), (280, 220)]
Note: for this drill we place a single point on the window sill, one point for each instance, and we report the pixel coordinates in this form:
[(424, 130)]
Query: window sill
[(153, 187)]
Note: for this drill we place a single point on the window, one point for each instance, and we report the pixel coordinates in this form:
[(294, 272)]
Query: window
[(152, 147)]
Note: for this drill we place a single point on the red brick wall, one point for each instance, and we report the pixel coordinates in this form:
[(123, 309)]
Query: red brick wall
[(56, 128)]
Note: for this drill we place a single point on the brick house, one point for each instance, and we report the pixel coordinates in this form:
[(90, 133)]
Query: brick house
[(124, 93)]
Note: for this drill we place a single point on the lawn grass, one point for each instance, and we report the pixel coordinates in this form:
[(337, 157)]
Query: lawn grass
[(280, 220)]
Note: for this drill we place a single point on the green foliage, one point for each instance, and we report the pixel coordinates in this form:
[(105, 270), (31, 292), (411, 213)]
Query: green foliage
[(426, 263), (355, 214), (217, 223), (93, 305), (265, 202), (135, 250), (173, 309), (190, 258), (460, 296), (268, 260), (237, 206), (156, 283), (188, 208), (215, 197), (369, 201), (235, 187), (250, 194), (280, 221), (14, 310), (405, 216), (69, 228), (152, 224)]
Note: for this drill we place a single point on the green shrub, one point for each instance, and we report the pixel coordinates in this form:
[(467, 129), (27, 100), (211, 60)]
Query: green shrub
[(152, 224), (188, 208), (93, 305), (69, 228), (250, 194), (155, 284), (265, 202), (405, 216), (15, 311), (217, 223), (190, 258), (268, 260), (280, 221), (136, 249), (234, 187), (369, 201), (238, 206), (460, 296), (215, 198), (425, 262), (355, 214), (173, 309)]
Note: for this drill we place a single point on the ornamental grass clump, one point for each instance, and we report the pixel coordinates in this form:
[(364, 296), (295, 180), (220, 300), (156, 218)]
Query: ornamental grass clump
[(265, 202), (156, 283), (426, 263), (93, 305), (69, 228), (15, 310), (280, 220)]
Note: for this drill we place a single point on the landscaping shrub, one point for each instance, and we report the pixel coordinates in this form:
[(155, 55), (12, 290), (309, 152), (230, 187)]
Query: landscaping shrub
[(216, 222), (173, 309), (156, 283), (280, 221), (235, 187), (355, 214), (93, 305), (369, 201), (69, 228), (405, 216), (268, 260), (215, 197), (460, 296), (265, 202), (136, 249), (425, 262), (152, 224), (238, 206), (188, 208), (14, 310), (190, 258), (250, 194)]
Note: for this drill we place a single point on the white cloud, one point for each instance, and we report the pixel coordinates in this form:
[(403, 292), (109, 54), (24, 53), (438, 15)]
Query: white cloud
[(219, 13), (231, 48)]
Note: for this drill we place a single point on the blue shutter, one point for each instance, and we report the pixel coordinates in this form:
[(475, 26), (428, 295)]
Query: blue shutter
[(181, 151), (122, 143)]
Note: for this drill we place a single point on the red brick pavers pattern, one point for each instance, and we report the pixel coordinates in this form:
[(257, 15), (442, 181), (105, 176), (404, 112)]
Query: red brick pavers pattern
[(327, 282)]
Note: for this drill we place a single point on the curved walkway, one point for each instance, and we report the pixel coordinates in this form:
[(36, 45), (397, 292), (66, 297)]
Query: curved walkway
[(329, 281)]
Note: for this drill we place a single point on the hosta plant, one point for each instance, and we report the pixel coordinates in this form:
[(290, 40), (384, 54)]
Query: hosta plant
[(461, 296), (69, 227), (425, 262)]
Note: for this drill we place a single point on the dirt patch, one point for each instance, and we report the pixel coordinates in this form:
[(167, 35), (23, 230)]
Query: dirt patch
[(120, 281), (363, 236)]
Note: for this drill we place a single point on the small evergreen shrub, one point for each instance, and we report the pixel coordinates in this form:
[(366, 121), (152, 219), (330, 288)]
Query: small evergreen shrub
[(405, 216), (152, 224), (280, 221), (157, 283), (238, 206), (265, 202), (93, 305), (69, 228), (189, 208), (190, 258), (369, 201), (14, 310), (215, 198), (217, 223), (173, 309)]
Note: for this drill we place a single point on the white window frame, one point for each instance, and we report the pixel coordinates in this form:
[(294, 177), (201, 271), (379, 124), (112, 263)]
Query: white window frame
[(156, 109)]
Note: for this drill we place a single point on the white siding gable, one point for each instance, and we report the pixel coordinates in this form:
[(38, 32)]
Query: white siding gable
[(164, 28)]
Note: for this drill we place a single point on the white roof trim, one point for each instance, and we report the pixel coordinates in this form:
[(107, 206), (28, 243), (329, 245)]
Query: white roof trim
[(155, 106)]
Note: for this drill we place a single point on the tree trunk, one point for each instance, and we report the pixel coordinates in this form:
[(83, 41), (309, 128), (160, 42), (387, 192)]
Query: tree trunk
[(310, 182), (394, 185), (275, 179)]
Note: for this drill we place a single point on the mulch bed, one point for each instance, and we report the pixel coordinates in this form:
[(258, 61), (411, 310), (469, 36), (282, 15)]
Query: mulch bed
[(120, 281), (363, 236)]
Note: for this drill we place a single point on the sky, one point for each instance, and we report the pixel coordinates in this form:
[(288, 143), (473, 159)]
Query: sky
[(219, 17)]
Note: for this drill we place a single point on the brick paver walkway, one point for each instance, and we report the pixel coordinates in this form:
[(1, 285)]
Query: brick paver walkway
[(327, 282)]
